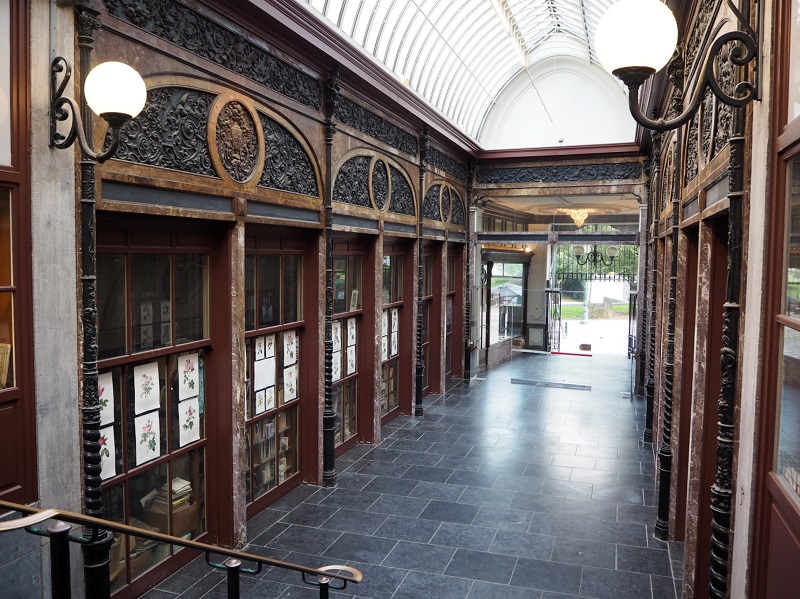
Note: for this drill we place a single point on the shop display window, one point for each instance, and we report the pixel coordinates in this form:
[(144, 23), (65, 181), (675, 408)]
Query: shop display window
[(346, 284), (427, 301), (392, 279), (449, 301), (273, 319), (345, 376), (152, 409), (6, 294), (390, 359)]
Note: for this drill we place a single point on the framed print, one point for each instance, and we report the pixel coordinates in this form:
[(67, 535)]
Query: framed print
[(395, 319), (146, 336), (105, 392), (394, 343), (146, 313), (269, 398), (336, 334), (351, 331), (259, 348), (188, 379), (385, 323), (384, 348), (351, 359), (146, 387), (263, 373), (188, 421), (261, 401), (166, 312), (290, 383), (289, 347), (354, 300), (269, 346), (336, 370), (147, 435), (166, 333), (108, 453)]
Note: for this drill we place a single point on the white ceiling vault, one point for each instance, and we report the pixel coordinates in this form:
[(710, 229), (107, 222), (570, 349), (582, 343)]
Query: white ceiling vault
[(460, 55)]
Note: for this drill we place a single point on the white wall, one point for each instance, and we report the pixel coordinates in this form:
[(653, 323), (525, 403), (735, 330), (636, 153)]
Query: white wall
[(587, 106)]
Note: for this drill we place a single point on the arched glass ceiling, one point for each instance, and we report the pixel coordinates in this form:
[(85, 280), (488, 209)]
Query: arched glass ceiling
[(460, 54)]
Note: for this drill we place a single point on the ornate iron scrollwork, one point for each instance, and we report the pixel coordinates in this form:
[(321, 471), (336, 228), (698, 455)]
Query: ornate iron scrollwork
[(352, 182), (457, 215), (446, 204), (356, 116), (380, 184), (430, 205), (170, 132), (561, 173), (287, 166), (443, 162), (402, 200)]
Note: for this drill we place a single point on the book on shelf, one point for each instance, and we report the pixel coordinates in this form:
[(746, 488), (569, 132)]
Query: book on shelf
[(159, 500)]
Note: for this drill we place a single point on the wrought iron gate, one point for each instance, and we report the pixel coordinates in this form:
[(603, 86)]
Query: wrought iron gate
[(553, 319)]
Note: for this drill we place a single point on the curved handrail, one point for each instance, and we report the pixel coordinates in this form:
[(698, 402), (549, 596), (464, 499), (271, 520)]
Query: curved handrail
[(37, 515)]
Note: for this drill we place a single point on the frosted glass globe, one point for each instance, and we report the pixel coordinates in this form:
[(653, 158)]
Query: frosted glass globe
[(114, 87), (636, 33)]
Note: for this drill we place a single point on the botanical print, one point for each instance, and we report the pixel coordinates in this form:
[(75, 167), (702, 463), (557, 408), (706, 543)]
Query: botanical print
[(105, 393), (189, 421), (166, 312), (337, 366), (384, 348), (260, 341), (108, 453), (147, 434), (166, 333), (385, 322), (146, 388), (394, 343), (188, 376), (351, 359), (261, 402), (395, 319), (336, 333), (146, 313), (263, 373), (290, 383), (146, 336), (269, 400), (269, 350), (351, 331), (289, 348)]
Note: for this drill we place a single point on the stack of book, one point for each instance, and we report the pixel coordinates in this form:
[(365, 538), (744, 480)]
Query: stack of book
[(181, 495)]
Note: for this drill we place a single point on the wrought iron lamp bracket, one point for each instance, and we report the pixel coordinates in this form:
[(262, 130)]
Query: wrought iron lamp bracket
[(595, 257), (63, 108), (744, 50)]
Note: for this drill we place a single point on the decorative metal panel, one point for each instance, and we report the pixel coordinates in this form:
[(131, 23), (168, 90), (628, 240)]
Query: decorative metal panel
[(561, 173), (443, 162), (726, 71), (352, 182), (287, 166), (430, 206), (353, 115), (446, 204), (201, 36), (237, 141), (700, 26), (402, 201), (170, 132), (692, 168), (457, 217), (380, 184)]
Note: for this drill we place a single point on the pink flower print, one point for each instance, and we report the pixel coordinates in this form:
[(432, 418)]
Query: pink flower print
[(188, 369), (147, 427), (104, 453)]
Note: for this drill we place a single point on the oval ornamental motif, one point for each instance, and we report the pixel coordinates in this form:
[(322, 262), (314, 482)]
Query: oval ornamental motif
[(380, 184), (237, 141)]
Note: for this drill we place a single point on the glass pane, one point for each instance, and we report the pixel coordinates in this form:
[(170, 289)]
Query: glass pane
[(269, 290), (111, 315), (6, 340), (427, 276), (389, 382), (345, 405), (150, 286), (262, 451), (451, 273), (794, 67), (114, 510), (150, 511), (6, 273), (188, 495), (788, 460), (187, 399), (397, 278), (146, 411), (340, 297), (5, 81), (792, 307), (249, 293), (292, 288), (354, 283), (287, 443), (449, 315), (191, 297), (387, 279)]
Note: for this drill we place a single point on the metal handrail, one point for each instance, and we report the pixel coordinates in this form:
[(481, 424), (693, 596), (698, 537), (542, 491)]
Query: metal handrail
[(40, 515)]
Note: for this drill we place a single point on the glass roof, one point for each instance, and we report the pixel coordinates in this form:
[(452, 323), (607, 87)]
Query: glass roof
[(460, 54)]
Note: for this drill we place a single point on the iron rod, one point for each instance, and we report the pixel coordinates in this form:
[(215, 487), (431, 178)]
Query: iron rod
[(60, 583), (232, 570)]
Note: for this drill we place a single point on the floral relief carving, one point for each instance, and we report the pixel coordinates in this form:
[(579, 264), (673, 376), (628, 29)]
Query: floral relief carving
[(443, 162), (457, 217), (170, 132), (560, 173), (356, 116), (352, 182), (402, 200), (430, 205), (692, 149), (446, 204), (237, 141), (287, 166), (380, 184)]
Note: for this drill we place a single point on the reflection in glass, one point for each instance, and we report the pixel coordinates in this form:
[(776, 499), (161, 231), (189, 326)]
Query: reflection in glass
[(187, 495), (250, 293), (792, 307), (111, 315), (5, 81), (147, 513), (262, 458), (5, 239), (191, 298), (427, 276), (292, 288), (6, 340), (114, 510), (794, 66), (346, 284), (340, 285), (345, 406), (788, 459), (392, 279), (150, 286), (389, 387), (269, 290)]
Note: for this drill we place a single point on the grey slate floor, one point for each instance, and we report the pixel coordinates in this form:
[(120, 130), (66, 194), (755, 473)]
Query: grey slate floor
[(501, 491)]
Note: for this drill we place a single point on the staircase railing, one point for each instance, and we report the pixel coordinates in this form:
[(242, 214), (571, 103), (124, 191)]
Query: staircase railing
[(327, 577)]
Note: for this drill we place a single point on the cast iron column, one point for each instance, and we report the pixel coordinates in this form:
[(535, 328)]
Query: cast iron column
[(665, 450), (423, 156), (328, 415), (469, 278), (489, 266), (95, 552)]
